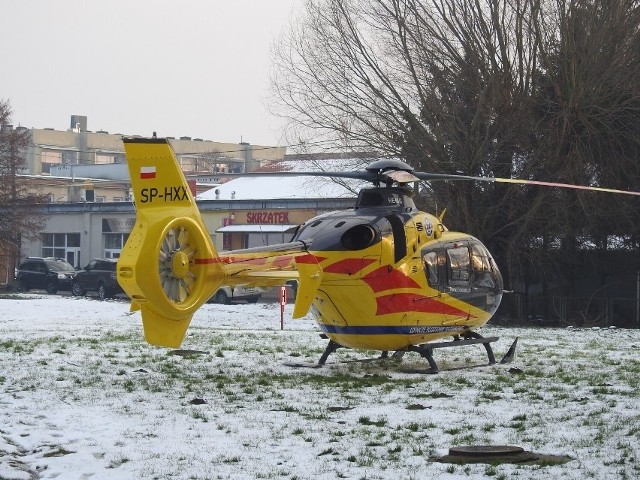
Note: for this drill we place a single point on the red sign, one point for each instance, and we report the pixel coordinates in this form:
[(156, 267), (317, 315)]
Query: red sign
[(268, 217)]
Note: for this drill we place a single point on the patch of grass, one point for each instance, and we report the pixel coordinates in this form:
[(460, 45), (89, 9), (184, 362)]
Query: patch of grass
[(231, 460), (433, 395), (198, 414), (364, 420), (396, 449), (413, 427), (327, 451), (285, 408), (58, 452)]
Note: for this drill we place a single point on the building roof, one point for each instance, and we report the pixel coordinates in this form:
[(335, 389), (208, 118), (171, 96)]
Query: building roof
[(257, 228), (275, 187)]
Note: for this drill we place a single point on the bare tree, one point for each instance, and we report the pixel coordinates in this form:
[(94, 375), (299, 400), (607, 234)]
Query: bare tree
[(445, 84), (588, 110), (537, 89), (18, 216)]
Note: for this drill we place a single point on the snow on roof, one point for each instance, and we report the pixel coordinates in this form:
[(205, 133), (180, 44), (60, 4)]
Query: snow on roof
[(274, 187)]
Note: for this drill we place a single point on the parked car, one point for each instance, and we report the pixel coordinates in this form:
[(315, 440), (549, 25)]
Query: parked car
[(241, 293), (49, 273), (98, 276)]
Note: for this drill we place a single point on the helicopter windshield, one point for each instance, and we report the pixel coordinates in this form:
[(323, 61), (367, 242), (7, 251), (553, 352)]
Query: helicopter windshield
[(465, 264)]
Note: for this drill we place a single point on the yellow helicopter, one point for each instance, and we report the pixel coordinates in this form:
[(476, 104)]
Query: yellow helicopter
[(384, 276)]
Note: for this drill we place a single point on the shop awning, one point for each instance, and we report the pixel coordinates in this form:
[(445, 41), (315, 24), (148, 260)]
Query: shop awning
[(257, 228)]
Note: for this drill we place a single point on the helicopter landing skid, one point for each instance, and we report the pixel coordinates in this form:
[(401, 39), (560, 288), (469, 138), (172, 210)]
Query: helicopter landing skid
[(331, 348), (471, 338), (425, 351)]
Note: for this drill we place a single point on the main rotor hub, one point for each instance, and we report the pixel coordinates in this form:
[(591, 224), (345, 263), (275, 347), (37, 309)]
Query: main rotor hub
[(390, 171), (389, 164)]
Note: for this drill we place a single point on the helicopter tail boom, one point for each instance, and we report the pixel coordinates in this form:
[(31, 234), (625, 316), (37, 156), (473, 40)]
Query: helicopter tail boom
[(273, 265), (169, 266)]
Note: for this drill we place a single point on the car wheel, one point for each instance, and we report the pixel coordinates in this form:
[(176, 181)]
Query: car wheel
[(102, 292), (253, 299), (52, 288), (22, 286), (221, 297), (77, 290), (293, 285)]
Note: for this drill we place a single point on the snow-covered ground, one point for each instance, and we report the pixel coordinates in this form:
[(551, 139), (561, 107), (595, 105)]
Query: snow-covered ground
[(83, 396)]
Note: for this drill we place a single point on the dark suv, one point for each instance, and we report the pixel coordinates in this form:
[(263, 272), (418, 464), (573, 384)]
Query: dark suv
[(50, 274), (98, 276)]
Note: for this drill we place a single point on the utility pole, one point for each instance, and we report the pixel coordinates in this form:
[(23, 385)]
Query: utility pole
[(14, 252)]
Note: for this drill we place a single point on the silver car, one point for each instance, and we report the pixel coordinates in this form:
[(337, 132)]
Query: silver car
[(240, 293)]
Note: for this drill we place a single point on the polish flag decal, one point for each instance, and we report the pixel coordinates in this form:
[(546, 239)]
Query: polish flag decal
[(147, 172)]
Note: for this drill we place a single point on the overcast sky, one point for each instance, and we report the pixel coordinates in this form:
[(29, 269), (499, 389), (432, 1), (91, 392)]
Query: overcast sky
[(197, 68)]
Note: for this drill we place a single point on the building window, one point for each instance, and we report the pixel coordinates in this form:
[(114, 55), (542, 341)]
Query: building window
[(103, 159), (49, 158), (62, 245), (188, 164), (113, 244)]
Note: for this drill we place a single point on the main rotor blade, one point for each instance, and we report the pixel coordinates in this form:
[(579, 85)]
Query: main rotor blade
[(355, 174), (438, 176)]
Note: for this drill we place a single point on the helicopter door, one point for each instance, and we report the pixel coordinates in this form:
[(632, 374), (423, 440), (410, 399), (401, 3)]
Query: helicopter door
[(458, 280), (434, 268)]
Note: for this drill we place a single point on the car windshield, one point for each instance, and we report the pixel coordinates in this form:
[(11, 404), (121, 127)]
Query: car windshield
[(59, 266)]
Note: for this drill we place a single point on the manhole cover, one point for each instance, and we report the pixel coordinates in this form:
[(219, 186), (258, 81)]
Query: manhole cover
[(485, 450), (496, 454)]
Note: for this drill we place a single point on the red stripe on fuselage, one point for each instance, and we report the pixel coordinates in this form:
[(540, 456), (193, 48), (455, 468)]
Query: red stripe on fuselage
[(410, 302), (204, 261), (309, 258), (382, 279), (349, 266), (283, 261)]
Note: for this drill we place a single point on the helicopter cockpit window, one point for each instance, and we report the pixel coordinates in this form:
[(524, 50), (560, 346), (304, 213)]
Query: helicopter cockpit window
[(482, 267), (459, 266), (430, 260)]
